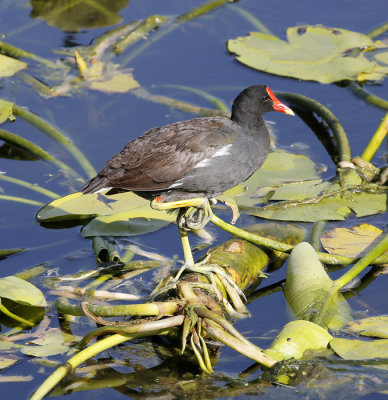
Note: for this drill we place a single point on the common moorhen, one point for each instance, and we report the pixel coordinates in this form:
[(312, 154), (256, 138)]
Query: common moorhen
[(200, 157), (188, 163)]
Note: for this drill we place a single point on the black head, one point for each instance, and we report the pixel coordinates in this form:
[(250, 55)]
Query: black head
[(256, 100)]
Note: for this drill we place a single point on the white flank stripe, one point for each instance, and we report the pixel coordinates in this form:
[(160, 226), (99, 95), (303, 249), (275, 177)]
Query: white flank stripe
[(223, 151), (176, 184), (105, 189)]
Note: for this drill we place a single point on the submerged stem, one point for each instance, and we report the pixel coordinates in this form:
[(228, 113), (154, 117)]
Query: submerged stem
[(331, 120), (57, 135), (368, 97)]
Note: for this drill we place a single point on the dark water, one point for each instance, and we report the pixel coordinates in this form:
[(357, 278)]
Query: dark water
[(99, 124)]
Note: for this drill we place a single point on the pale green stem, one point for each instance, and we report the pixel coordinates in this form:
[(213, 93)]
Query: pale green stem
[(164, 30), (332, 121), (285, 248), (219, 104), (13, 51), (15, 317), (368, 97), (32, 148), (30, 186), (376, 140), (374, 33), (57, 135), (315, 235), (21, 200), (250, 18), (251, 352), (95, 349), (357, 268), (142, 310)]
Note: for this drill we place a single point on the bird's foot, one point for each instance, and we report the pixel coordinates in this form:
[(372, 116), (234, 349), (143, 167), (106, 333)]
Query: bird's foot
[(232, 203), (194, 214)]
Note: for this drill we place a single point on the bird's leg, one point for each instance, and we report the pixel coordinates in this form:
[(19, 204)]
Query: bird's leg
[(185, 220)]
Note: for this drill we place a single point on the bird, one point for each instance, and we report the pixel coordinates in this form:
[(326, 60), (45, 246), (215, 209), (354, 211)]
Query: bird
[(189, 163)]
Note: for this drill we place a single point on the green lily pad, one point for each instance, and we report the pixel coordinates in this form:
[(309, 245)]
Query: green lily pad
[(328, 206), (280, 167), (372, 326), (360, 349), (350, 242), (51, 343), (9, 66), (78, 206), (6, 111), (7, 361), (295, 338), (315, 53), (310, 292), (21, 291)]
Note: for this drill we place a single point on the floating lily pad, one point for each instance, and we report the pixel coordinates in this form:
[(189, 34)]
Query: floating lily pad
[(51, 343), (9, 66), (21, 291), (328, 206), (309, 290), (6, 111), (280, 167), (372, 326), (360, 349), (314, 53), (350, 242), (79, 206)]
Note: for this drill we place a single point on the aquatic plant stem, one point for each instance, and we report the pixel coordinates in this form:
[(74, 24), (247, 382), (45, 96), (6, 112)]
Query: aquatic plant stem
[(35, 150), (249, 351), (285, 248), (341, 138), (315, 235), (374, 33), (357, 268), (368, 97), (219, 104), (15, 317), (250, 18), (13, 51), (30, 186), (142, 310), (21, 200), (376, 140), (57, 135), (167, 28), (95, 349)]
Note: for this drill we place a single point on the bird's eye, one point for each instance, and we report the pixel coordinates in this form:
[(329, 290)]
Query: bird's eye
[(266, 98)]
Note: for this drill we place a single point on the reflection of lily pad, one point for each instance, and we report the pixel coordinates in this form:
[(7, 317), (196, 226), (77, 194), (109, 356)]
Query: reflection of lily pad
[(314, 53), (74, 15)]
